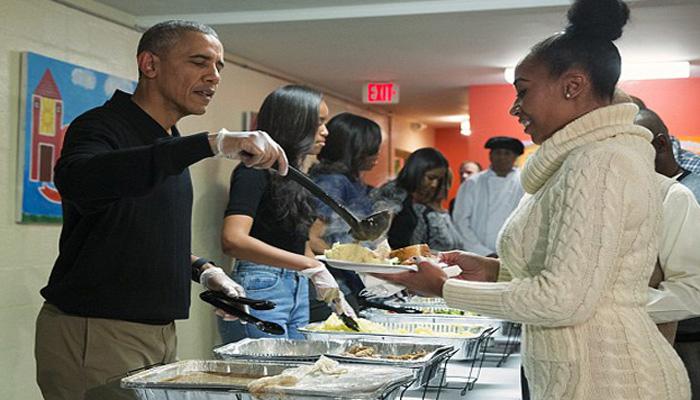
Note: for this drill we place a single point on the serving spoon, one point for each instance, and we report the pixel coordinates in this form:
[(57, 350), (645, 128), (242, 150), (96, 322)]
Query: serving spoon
[(369, 228)]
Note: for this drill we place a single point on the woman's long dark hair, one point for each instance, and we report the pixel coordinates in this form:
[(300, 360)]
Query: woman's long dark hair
[(351, 140), (587, 43), (418, 163), (290, 116)]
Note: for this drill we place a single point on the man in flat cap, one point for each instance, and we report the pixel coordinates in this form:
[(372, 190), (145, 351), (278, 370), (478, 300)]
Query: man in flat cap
[(486, 199)]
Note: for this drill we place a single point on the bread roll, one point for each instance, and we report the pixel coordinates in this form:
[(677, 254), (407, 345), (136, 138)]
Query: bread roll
[(405, 253)]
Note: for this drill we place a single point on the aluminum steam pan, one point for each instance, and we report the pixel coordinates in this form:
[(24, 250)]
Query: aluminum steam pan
[(280, 350), (464, 337), (384, 316), (424, 368), (270, 349), (418, 301), (385, 353), (167, 383)]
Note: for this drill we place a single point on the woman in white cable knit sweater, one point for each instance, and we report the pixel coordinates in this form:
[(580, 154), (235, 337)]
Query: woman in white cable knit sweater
[(582, 244)]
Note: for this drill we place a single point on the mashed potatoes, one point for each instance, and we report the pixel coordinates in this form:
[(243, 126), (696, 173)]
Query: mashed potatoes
[(334, 324), (355, 253)]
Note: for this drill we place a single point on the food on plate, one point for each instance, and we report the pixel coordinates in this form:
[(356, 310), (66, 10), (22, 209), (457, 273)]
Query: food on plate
[(355, 253), (370, 352), (404, 254), (334, 324)]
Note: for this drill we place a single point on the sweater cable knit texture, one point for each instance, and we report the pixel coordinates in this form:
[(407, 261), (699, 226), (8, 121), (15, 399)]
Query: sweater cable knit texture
[(581, 247)]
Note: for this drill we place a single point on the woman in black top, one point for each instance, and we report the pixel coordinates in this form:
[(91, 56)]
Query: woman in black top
[(415, 197), (267, 221)]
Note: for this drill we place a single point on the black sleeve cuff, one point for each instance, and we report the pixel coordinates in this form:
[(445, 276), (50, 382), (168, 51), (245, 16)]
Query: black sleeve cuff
[(197, 268)]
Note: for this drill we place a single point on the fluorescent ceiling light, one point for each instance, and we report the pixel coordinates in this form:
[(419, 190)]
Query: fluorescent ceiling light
[(452, 118), (509, 74), (637, 71), (465, 127)]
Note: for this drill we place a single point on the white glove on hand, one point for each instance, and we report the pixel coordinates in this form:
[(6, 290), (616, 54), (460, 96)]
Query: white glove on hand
[(214, 278), (327, 289), (341, 306), (255, 149)]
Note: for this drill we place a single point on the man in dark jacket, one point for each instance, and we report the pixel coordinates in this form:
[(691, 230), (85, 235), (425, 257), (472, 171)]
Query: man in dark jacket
[(123, 271)]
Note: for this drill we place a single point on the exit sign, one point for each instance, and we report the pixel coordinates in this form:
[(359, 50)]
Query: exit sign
[(380, 93)]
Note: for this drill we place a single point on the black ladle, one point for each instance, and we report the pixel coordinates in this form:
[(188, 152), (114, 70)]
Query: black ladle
[(369, 228), (266, 326)]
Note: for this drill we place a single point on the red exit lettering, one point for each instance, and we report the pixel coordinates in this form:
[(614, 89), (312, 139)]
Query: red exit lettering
[(381, 93)]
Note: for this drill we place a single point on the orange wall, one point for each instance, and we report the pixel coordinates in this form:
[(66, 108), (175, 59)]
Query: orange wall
[(677, 101), (488, 111)]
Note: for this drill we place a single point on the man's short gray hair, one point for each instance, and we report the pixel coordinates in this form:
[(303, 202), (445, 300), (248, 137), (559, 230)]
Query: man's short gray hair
[(159, 38)]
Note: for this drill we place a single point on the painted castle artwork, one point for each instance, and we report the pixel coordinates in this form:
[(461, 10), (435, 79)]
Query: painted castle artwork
[(53, 93)]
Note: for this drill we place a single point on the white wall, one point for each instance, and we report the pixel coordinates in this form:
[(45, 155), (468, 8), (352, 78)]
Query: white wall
[(27, 252)]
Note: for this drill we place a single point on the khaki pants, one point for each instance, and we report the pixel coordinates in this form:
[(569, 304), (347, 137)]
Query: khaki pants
[(80, 358)]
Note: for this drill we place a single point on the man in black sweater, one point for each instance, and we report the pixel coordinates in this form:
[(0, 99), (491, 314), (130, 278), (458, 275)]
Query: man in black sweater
[(123, 271)]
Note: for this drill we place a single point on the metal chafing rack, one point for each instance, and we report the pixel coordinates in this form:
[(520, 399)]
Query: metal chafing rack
[(501, 345), (359, 382)]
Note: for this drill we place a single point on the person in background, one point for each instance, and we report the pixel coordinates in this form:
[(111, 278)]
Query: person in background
[(352, 147), (266, 227), (485, 201), (467, 169), (666, 163), (676, 297), (686, 159), (582, 243), (415, 197), (123, 271)]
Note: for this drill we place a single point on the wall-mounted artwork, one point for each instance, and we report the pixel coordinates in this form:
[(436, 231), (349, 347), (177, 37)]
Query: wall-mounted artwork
[(53, 93)]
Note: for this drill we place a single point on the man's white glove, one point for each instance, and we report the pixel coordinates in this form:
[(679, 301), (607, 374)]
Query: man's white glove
[(255, 149), (214, 278), (327, 289)]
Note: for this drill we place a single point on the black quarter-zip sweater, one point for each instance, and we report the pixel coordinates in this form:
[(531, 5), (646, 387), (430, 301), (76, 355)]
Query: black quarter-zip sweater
[(124, 251)]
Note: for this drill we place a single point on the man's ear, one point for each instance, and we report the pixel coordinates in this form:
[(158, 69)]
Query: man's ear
[(661, 142), (575, 81), (148, 64)]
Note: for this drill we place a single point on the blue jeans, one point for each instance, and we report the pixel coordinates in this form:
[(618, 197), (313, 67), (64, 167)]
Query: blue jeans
[(289, 290)]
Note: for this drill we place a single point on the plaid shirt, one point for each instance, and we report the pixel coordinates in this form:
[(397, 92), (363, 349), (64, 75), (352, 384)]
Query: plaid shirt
[(687, 159)]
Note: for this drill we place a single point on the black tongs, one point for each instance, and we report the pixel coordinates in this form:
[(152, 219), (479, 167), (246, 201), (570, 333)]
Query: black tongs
[(220, 300), (348, 320), (399, 310), (254, 304)]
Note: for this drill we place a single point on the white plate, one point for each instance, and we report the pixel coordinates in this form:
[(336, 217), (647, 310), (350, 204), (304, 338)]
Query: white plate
[(362, 267)]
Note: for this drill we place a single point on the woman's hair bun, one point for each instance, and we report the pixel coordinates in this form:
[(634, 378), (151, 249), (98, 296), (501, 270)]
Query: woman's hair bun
[(602, 19)]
